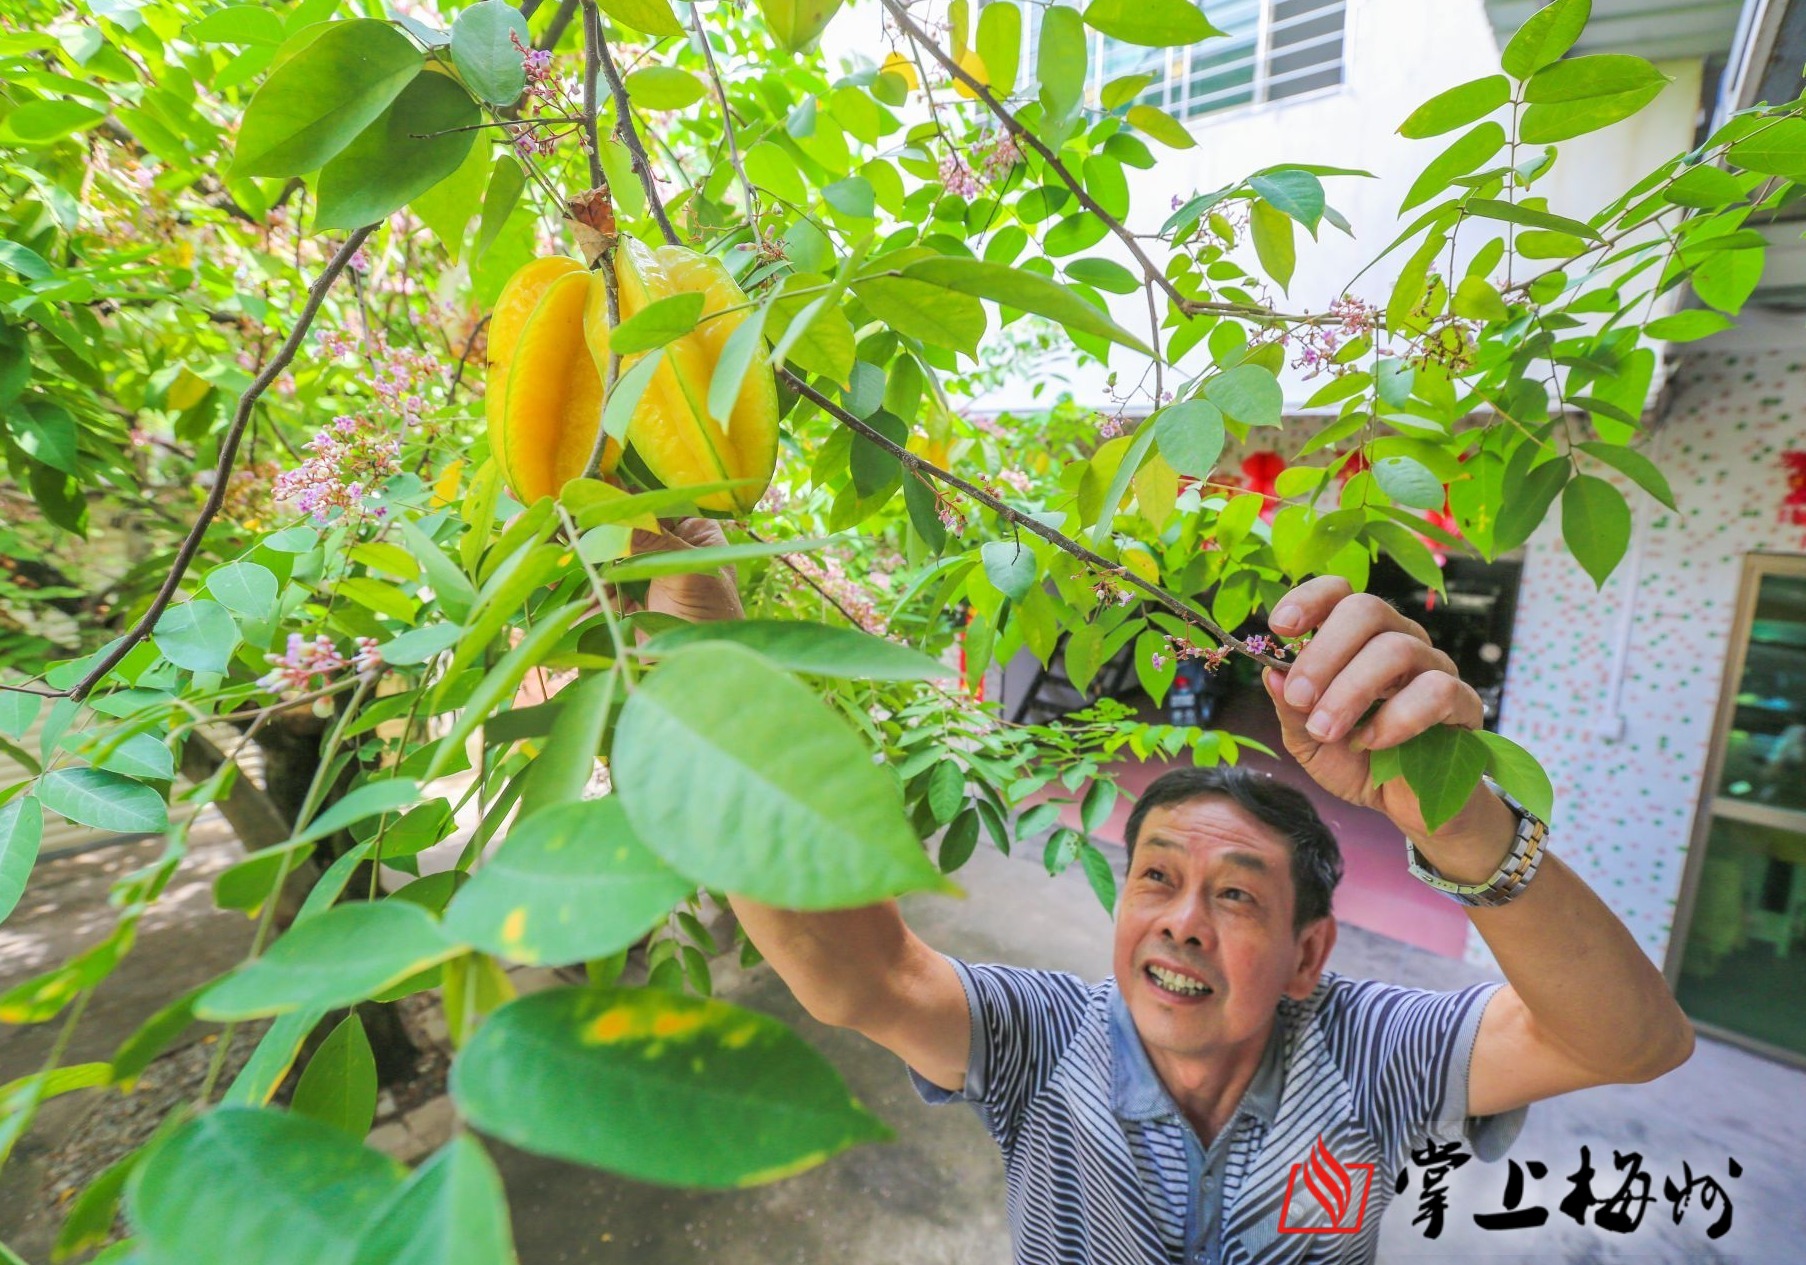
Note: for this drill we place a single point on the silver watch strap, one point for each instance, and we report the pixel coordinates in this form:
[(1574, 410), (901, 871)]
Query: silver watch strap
[(1514, 872)]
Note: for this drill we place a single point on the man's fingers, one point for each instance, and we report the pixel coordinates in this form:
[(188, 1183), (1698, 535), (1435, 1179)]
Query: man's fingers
[(1307, 605), (1384, 665), (679, 533), (1342, 631), (1431, 699)]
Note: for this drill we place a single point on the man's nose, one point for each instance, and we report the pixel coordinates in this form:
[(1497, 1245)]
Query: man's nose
[(1188, 922)]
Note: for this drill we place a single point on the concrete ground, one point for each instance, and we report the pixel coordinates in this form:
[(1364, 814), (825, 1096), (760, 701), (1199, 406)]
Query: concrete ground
[(935, 1195)]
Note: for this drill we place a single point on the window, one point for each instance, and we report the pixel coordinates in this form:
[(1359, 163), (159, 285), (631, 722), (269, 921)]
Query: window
[(1269, 50)]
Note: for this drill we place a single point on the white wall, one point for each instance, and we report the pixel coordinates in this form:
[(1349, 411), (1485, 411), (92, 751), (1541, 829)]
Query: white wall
[(1615, 692), (1398, 54)]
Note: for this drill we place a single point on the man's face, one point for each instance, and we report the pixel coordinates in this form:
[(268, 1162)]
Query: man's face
[(1204, 940)]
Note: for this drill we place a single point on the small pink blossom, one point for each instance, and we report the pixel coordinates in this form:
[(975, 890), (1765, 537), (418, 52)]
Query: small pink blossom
[(296, 670)]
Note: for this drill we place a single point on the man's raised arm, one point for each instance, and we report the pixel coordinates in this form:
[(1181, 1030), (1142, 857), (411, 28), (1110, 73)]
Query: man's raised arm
[(1583, 1004)]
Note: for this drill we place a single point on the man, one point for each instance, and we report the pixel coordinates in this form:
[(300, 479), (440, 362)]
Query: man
[(1159, 1116)]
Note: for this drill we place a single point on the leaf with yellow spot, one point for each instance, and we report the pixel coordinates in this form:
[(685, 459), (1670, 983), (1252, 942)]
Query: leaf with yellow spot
[(656, 1086), (570, 882), (903, 68), (445, 488), (973, 65)]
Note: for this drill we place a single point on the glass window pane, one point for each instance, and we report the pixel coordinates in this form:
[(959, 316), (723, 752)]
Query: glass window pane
[(1765, 746), (1306, 46), (1222, 68)]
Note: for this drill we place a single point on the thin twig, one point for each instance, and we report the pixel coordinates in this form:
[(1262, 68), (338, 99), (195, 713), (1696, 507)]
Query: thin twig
[(592, 63), (469, 343), (727, 114), (918, 465), (222, 473), (630, 137)]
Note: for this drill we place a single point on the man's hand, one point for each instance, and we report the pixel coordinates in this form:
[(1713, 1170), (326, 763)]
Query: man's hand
[(1363, 652), (699, 596)]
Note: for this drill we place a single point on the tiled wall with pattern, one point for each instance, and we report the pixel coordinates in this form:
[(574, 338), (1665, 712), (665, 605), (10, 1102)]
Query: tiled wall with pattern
[(1615, 691)]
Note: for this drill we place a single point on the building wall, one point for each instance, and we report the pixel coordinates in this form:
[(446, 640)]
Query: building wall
[(1616, 691)]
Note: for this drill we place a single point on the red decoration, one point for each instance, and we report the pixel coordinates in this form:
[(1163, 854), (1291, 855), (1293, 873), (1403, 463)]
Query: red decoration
[(1260, 472), (1793, 504)]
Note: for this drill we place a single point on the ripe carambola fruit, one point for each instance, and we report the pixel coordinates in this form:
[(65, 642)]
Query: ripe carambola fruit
[(549, 340)]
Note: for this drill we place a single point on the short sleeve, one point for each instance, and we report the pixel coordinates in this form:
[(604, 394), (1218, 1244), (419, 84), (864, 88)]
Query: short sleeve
[(1407, 1054), (1022, 1022)]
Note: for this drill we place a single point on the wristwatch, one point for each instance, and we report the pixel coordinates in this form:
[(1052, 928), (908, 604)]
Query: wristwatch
[(1514, 872)]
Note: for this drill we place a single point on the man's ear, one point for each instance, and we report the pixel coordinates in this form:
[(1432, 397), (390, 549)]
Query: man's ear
[(1313, 946)]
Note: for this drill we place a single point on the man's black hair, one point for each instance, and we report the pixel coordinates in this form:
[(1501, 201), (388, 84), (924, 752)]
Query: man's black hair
[(1316, 858)]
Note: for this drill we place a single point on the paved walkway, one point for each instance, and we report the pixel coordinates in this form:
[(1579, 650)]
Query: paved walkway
[(935, 1195)]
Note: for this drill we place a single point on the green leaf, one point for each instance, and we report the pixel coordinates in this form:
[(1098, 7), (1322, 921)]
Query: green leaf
[(1248, 394), (1635, 466), (484, 48), (252, 1186), (1779, 149), (103, 800), (798, 646), (244, 588), (417, 645), (796, 24), (369, 800), (1190, 435), (946, 792), (1595, 523), (1408, 551), (1517, 771), (248, 884), (1060, 65), (1530, 217), (1549, 33), (664, 88), (567, 761), (1409, 482), (1526, 503), (570, 882), (1127, 466), (1104, 274), (408, 149), (1162, 126), (658, 1087), (343, 956), (1150, 23), (1100, 874), (1727, 278), (654, 17), (238, 24), (1297, 192), (1442, 766), (646, 566), (317, 102), (1000, 45), (1705, 187), (275, 1053), (142, 756), (41, 122), (506, 181), (1011, 566), (780, 799), (1274, 242), (1584, 94), (1688, 325), (960, 841), (1014, 288), (1457, 107), (48, 434), (448, 206), (928, 311), (451, 1211), (1468, 152), (21, 829), (338, 1086), (657, 324), (198, 635), (924, 511)]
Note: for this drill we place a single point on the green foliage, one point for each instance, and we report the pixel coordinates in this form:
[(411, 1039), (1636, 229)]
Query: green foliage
[(176, 182)]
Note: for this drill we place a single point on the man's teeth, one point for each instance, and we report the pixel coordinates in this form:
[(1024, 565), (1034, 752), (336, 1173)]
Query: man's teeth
[(1174, 982)]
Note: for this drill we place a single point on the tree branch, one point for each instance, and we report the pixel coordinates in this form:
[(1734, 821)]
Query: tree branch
[(1059, 540), (630, 137), (727, 115), (222, 473)]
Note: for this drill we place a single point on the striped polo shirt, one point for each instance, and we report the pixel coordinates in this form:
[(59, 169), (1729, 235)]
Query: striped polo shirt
[(1103, 1169)]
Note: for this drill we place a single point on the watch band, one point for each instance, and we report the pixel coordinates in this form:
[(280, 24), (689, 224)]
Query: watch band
[(1514, 872)]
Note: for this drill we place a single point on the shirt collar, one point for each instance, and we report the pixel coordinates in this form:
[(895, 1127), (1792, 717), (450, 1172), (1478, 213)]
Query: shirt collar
[(1136, 1089)]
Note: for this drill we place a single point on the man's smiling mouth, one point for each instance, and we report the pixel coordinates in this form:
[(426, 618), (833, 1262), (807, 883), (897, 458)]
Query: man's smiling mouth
[(1175, 983)]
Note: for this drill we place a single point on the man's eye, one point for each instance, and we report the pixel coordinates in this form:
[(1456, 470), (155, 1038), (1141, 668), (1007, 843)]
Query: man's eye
[(1235, 894), (1157, 876)]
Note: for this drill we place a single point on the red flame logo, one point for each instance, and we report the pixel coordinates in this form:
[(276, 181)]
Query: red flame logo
[(1329, 1182)]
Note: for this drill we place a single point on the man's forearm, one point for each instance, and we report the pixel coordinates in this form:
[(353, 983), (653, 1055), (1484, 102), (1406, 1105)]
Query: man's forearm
[(838, 963), (1586, 983)]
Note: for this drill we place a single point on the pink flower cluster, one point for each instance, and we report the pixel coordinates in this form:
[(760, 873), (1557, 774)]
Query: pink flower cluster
[(1017, 479), (350, 457), (988, 162), (543, 88), (402, 374), (1319, 343), (957, 178), (830, 576), (308, 665)]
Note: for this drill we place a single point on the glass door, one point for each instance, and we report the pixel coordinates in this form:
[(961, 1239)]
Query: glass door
[(1739, 961)]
